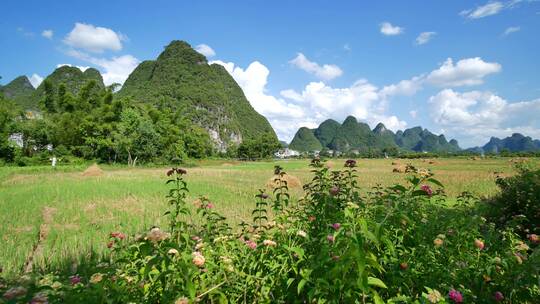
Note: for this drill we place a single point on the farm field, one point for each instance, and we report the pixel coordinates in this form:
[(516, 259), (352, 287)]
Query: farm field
[(73, 214)]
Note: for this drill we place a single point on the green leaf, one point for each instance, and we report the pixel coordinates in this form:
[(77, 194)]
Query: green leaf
[(301, 286), (376, 282)]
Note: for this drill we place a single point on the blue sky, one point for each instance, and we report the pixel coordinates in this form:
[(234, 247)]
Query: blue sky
[(472, 74)]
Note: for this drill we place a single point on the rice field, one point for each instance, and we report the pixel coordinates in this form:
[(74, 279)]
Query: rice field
[(58, 217)]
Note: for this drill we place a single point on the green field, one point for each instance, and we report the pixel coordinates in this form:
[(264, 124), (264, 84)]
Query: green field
[(75, 213)]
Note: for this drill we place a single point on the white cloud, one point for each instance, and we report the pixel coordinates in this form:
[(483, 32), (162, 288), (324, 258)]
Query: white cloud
[(389, 30), (413, 113), (206, 50), (114, 70), (291, 94), (47, 34), (82, 68), (94, 39), (492, 8), (476, 116), (424, 37), (511, 30), (325, 72), (488, 9), (465, 72), (316, 103), (35, 80)]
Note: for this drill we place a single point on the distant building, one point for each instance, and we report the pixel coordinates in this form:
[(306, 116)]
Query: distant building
[(16, 139), (286, 153)]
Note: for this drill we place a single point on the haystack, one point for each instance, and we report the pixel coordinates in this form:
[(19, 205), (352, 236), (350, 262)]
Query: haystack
[(93, 170), (292, 182), (399, 169)]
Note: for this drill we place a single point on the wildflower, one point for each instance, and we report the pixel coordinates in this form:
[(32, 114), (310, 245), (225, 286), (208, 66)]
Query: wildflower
[(311, 218), (330, 238), (334, 190), (438, 242), (498, 296), (118, 235), (40, 298), (533, 238), (182, 300), (434, 296), (350, 163), (198, 259), (427, 190), (479, 244), (352, 205), (172, 251), (199, 246), (209, 206), (269, 243), (110, 244), (56, 285), (455, 296), (15, 292), (336, 226), (74, 280), (96, 278), (226, 260), (170, 172), (195, 238), (156, 235), (522, 246), (251, 244), (335, 257), (181, 171), (229, 268), (404, 266), (301, 233)]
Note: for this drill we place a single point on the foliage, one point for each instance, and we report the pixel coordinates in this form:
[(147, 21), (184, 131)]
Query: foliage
[(517, 205), (263, 147), (207, 94), (399, 244)]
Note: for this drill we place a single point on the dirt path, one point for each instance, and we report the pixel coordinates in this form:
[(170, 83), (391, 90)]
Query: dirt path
[(48, 215)]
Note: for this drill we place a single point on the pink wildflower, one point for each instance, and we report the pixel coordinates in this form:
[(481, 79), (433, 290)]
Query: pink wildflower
[(455, 296), (330, 238), (427, 190), (251, 244), (479, 244), (498, 296), (336, 226), (74, 280), (334, 190)]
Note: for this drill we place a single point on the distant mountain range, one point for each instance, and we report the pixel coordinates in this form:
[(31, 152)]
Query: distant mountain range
[(515, 143), (352, 135)]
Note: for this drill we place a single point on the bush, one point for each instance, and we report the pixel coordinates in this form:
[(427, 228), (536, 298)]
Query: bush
[(518, 203), (400, 244)]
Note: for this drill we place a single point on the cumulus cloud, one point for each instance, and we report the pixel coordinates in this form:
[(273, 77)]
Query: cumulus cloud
[(466, 72), (113, 70), (82, 68), (47, 34), (511, 30), (35, 80), (424, 37), (314, 104), (477, 115), (324, 72), (94, 39), (389, 30), (206, 50)]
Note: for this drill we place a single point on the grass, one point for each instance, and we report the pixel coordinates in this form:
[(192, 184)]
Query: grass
[(79, 212)]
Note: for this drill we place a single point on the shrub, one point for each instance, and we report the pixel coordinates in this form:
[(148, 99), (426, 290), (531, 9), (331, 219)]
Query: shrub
[(400, 244), (518, 204)]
